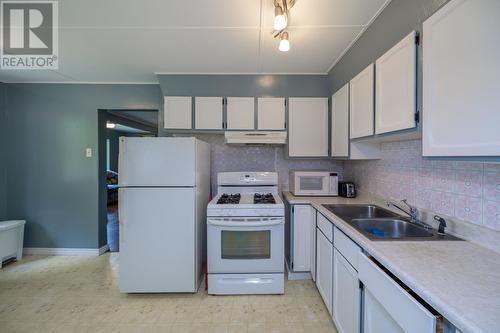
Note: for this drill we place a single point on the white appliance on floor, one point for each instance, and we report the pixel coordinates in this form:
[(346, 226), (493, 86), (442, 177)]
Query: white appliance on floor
[(245, 235), (164, 187)]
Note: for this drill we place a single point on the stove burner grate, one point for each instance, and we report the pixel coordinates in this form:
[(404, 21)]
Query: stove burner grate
[(267, 198), (229, 199)]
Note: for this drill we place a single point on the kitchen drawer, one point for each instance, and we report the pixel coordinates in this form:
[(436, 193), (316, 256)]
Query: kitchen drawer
[(346, 247), (409, 314), (325, 226)]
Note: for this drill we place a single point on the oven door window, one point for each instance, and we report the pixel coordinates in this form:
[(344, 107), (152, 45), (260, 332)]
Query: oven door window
[(246, 244), (311, 183)]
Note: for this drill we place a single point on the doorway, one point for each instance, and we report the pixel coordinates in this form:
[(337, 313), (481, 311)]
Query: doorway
[(113, 124)]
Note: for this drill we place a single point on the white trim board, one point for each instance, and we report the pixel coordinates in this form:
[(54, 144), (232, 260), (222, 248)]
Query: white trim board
[(374, 17), (61, 251)]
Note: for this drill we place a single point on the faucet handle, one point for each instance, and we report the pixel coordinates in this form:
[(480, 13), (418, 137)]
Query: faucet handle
[(442, 224)]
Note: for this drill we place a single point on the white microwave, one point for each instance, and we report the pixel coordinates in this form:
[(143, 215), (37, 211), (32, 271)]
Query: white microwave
[(320, 183)]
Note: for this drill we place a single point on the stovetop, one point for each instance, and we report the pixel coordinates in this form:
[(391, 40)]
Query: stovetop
[(246, 204), (245, 199)]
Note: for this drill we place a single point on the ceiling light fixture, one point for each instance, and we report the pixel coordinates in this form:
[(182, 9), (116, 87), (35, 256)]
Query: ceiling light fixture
[(280, 21), (284, 42), (110, 125), (281, 8)]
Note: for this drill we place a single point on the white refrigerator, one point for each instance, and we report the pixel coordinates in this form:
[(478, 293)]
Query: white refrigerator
[(164, 188)]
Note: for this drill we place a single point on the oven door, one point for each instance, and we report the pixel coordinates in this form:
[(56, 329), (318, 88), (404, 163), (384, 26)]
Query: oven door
[(245, 245), (312, 183)]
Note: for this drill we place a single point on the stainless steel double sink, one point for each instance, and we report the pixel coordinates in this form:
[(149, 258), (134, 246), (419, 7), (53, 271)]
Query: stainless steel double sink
[(377, 223)]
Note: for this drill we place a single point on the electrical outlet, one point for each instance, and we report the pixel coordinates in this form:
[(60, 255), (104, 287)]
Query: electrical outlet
[(88, 152)]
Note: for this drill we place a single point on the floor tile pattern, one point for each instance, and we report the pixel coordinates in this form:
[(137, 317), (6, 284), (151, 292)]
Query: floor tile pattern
[(80, 294)]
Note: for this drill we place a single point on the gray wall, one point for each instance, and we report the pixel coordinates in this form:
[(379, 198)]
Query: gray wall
[(244, 85), (3, 147), (397, 20), (50, 182)]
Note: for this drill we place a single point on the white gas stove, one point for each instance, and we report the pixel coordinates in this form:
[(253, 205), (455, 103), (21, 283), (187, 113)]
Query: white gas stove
[(245, 230)]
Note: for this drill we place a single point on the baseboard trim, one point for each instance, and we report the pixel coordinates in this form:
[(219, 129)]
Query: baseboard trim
[(61, 251), (297, 275)]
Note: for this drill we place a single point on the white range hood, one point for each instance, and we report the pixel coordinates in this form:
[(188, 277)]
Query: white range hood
[(256, 137)]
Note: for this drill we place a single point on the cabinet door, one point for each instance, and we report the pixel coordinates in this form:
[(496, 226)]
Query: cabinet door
[(208, 113), (346, 296), (340, 122), (271, 113), (461, 100), (308, 128), (177, 112), (395, 87), (313, 244), (240, 113), (390, 305), (324, 268), (302, 220), (361, 103), (376, 318)]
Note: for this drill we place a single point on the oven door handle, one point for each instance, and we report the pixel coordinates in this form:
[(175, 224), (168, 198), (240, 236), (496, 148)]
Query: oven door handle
[(245, 222)]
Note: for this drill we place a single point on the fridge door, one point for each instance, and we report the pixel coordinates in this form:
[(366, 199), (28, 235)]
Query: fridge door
[(147, 162), (157, 240)]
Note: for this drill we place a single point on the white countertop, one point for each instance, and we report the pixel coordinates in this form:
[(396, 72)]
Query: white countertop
[(459, 279)]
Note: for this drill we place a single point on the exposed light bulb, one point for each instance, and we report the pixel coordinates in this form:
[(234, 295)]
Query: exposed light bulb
[(280, 21), (284, 42), (110, 125)]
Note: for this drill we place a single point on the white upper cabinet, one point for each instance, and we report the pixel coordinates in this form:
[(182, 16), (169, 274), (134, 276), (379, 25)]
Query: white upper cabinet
[(240, 113), (361, 97), (308, 127), (177, 112), (208, 113), (340, 122), (271, 113), (461, 80), (395, 87)]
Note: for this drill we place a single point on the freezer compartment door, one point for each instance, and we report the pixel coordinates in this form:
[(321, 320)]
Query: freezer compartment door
[(157, 240), (157, 162)]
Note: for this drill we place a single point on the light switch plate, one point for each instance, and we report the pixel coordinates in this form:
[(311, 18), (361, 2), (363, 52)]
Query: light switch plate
[(88, 152)]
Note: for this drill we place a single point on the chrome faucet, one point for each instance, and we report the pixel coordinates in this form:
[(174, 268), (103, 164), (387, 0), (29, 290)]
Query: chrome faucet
[(412, 212)]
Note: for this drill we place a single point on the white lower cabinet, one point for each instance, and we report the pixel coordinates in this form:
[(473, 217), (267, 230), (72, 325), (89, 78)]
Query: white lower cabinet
[(302, 228), (388, 307), (313, 244), (324, 268), (346, 295), (376, 318)]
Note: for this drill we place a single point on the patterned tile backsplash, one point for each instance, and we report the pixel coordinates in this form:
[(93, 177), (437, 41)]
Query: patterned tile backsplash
[(465, 190), (259, 158)]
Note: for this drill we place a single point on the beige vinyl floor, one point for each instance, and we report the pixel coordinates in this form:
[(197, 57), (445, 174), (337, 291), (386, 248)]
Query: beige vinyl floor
[(80, 294)]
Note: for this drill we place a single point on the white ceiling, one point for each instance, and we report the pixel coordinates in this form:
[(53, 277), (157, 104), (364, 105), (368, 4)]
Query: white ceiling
[(129, 40)]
